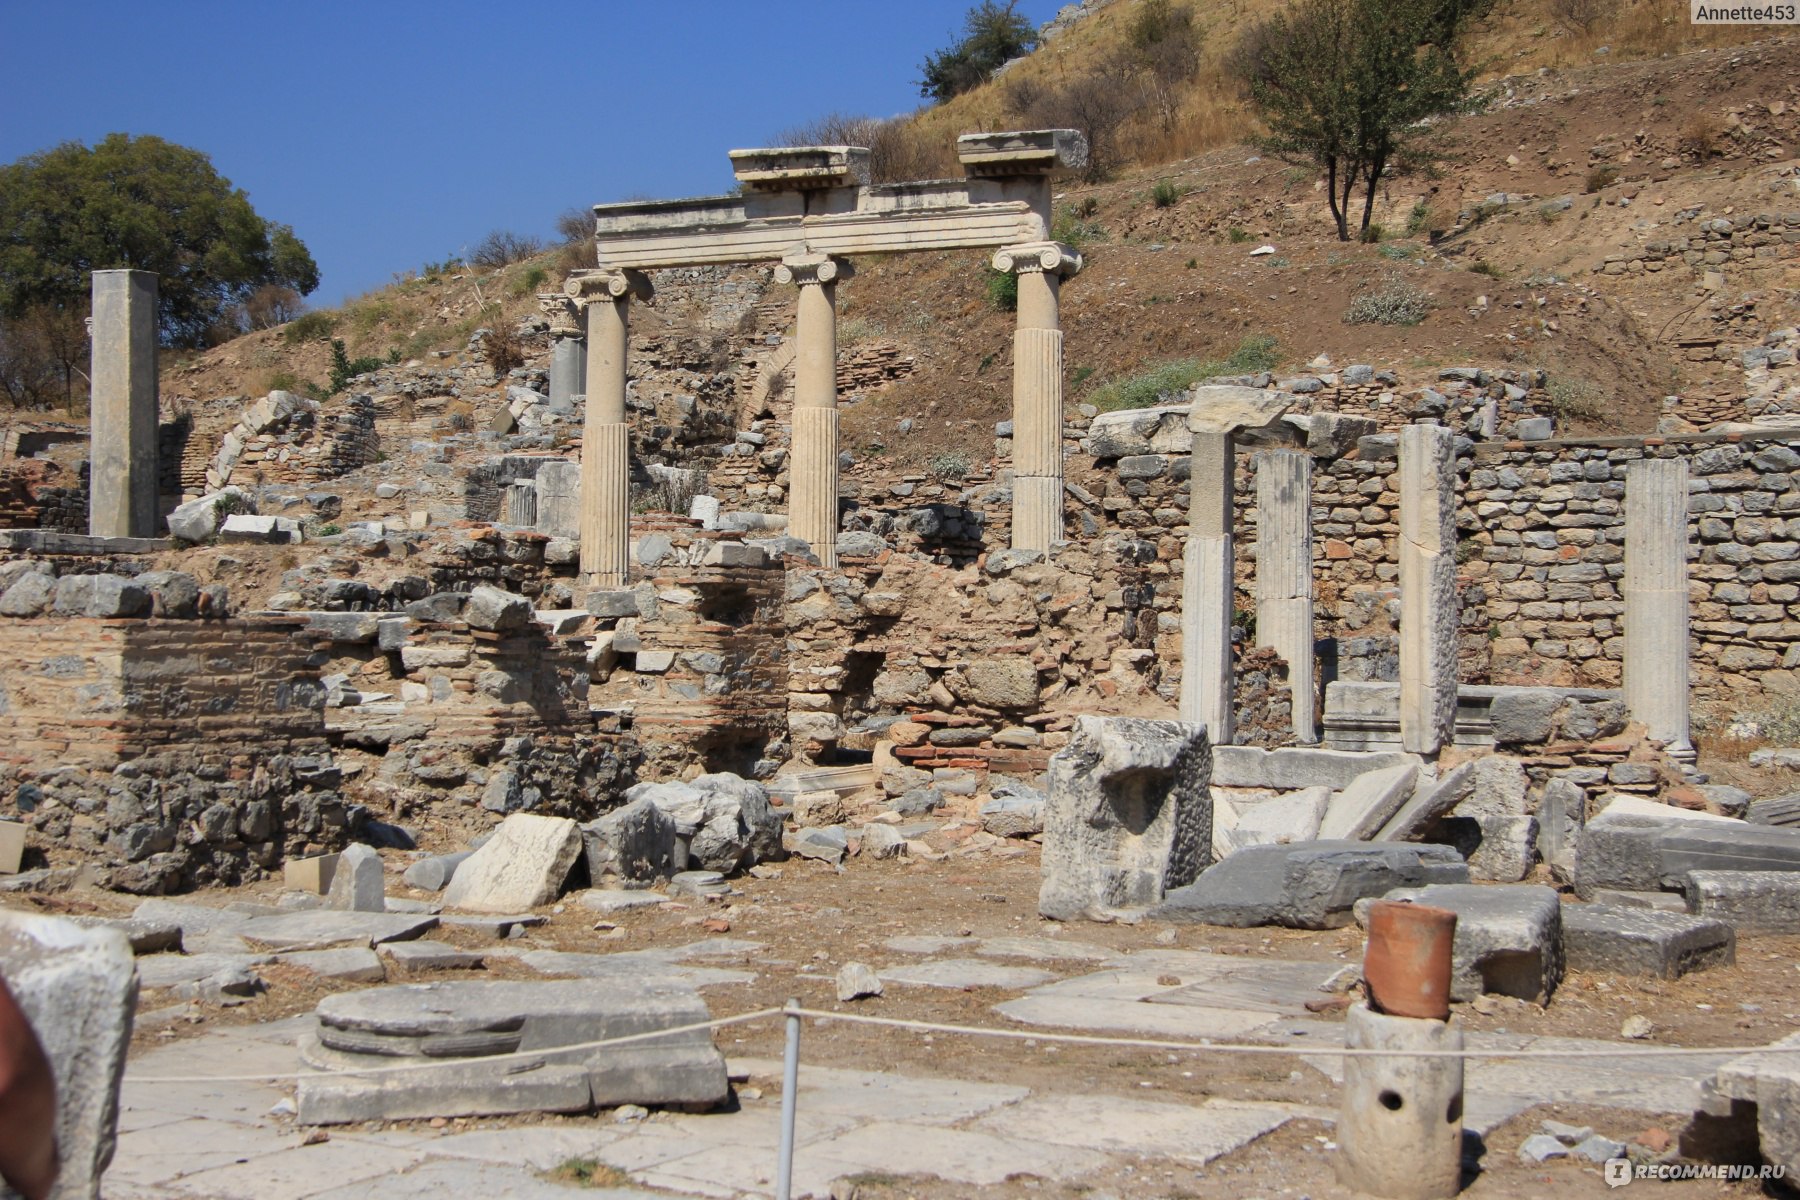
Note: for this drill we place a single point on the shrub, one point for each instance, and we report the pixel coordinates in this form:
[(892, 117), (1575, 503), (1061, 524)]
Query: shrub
[(1418, 220), (1700, 136), (503, 348), (1575, 399), (344, 368), (308, 327), (530, 280), (1165, 382), (950, 466), (1372, 233), (1073, 226), (1482, 266), (503, 247), (1237, 235), (1165, 193), (1602, 176), (1392, 302), (1003, 290), (1394, 252), (1579, 16)]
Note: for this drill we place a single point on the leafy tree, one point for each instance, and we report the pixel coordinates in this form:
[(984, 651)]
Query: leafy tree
[(993, 34), (143, 203), (1350, 85)]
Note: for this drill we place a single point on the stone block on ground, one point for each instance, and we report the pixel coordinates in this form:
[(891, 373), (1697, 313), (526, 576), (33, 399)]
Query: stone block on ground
[(1306, 885), (497, 611), (635, 842), (313, 875), (1771, 1084), (12, 847), (1620, 847), (1430, 800), (726, 822), (1498, 789), (424, 955), (1509, 940), (522, 866), (1294, 767), (77, 988), (1014, 814), (1724, 846), (1499, 849), (1640, 941), (346, 964), (1367, 803), (454, 1025), (827, 843), (1128, 816), (1758, 901), (1291, 817), (324, 928), (358, 884)]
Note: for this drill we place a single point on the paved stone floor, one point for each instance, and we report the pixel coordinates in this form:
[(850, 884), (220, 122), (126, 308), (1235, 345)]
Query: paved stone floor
[(192, 1140)]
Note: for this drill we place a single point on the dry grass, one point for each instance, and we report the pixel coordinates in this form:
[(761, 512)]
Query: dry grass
[(588, 1172)]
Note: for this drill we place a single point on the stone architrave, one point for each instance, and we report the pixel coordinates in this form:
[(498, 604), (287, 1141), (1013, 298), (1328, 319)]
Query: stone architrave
[(1038, 390), (1217, 413), (1129, 816), (1428, 601), (568, 351), (122, 477), (1656, 599), (606, 437), (813, 490), (78, 989), (1284, 582)]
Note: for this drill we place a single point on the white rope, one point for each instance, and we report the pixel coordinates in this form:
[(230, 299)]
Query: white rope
[(763, 1014)]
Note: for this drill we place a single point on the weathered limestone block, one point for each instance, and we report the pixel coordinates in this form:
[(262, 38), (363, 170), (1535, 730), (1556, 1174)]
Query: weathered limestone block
[(435, 873), (1430, 800), (1399, 1126), (1509, 940), (357, 883), (1758, 901), (1306, 885), (1362, 808), (1004, 683), (1641, 941), (497, 611), (559, 499), (1293, 817), (1129, 816), (198, 520), (78, 988), (635, 842), (522, 866)]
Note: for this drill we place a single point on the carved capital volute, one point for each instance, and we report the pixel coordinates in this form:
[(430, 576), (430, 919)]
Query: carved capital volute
[(564, 314), (805, 269), (589, 287), (1032, 257)]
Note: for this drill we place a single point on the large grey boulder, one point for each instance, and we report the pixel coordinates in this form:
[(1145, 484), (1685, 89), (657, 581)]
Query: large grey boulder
[(1509, 940), (634, 842), (1641, 941), (172, 593), (722, 822), (496, 611), (78, 988), (199, 519), (1306, 885), (522, 866), (1128, 816), (28, 595)]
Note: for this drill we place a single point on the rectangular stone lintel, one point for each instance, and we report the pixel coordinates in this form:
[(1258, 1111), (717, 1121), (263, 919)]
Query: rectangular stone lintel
[(1021, 152), (797, 168)]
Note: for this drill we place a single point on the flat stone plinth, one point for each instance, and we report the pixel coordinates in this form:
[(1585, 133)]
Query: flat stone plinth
[(1642, 941), (448, 1029), (1766, 901), (1508, 939), (1306, 885)]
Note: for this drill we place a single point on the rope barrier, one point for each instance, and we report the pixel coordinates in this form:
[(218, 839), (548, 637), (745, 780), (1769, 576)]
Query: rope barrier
[(763, 1014)]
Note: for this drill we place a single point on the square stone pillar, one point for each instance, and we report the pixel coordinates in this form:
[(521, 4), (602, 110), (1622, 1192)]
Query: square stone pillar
[(1428, 601), (605, 436), (1656, 599), (813, 477), (1206, 590), (1284, 575), (1037, 517), (122, 413)]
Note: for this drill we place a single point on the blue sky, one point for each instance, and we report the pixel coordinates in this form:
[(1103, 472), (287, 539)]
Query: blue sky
[(390, 133)]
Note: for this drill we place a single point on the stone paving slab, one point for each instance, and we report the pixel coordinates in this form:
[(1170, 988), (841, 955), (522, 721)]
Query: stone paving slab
[(1194, 1133), (166, 1151), (301, 1173), (322, 928), (963, 973), (633, 965), (883, 1095), (438, 1180), (961, 1156)]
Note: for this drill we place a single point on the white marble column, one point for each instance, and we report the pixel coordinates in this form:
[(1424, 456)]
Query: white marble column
[(1656, 599), (1284, 575), (122, 472), (813, 478), (606, 436), (1037, 517), (1428, 601), (1206, 590)]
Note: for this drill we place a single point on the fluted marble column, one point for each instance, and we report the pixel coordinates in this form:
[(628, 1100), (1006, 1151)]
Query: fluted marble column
[(1037, 390), (606, 437), (1656, 599), (1206, 590), (1428, 603), (813, 479), (1284, 580)]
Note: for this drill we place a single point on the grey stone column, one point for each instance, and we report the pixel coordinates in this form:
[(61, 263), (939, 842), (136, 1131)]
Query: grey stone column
[(606, 437), (1428, 601), (813, 477), (568, 373), (1038, 391), (122, 412), (1656, 599), (1206, 590), (1284, 575)]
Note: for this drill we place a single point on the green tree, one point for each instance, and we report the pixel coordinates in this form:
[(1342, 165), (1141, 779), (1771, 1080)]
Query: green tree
[(1351, 85), (993, 34), (143, 203)]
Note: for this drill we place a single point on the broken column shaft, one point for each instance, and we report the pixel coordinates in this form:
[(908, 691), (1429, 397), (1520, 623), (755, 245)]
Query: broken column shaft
[(1656, 599), (1284, 582), (122, 472), (1428, 601)]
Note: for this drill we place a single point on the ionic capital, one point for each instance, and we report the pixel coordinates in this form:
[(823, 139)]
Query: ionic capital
[(812, 269), (564, 314), (590, 287), (1032, 257)]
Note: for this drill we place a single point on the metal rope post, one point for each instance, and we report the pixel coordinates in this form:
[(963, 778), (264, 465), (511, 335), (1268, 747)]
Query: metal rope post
[(790, 1097)]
